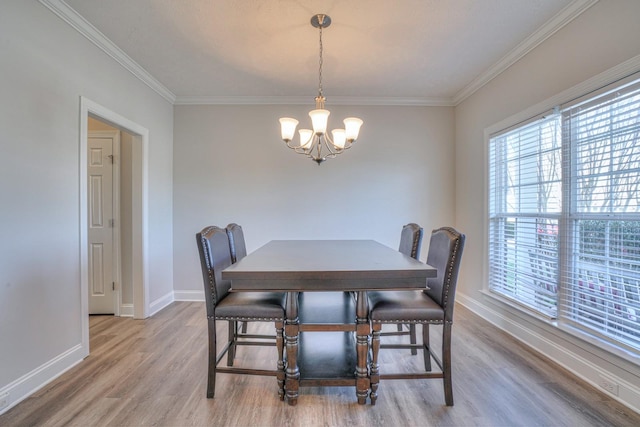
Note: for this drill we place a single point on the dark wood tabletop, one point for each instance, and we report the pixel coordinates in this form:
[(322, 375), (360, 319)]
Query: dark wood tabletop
[(327, 265)]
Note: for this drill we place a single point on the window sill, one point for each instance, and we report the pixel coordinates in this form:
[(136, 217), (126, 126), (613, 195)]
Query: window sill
[(630, 359), (519, 309)]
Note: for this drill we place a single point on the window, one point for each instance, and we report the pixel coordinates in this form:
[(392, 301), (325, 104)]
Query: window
[(564, 215), (525, 206)]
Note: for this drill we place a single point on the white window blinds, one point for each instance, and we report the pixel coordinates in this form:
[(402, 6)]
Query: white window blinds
[(564, 216), (524, 209), (602, 274)]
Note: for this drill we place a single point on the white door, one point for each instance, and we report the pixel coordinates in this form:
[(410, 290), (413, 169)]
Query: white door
[(101, 225)]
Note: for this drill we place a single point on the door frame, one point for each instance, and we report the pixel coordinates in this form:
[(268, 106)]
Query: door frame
[(116, 264), (140, 182)]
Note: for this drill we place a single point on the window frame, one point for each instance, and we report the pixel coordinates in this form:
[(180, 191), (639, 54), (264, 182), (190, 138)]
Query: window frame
[(617, 77)]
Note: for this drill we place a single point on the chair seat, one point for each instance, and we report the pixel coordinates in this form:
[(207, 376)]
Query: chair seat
[(403, 307), (251, 306)]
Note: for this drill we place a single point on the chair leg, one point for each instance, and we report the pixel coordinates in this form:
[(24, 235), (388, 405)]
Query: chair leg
[(280, 348), (446, 363), (426, 347), (233, 338), (412, 336), (211, 372), (244, 327)]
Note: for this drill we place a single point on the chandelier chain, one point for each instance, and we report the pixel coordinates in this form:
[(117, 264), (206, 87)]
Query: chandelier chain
[(320, 64)]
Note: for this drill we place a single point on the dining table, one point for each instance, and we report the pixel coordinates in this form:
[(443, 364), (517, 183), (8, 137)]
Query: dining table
[(327, 327)]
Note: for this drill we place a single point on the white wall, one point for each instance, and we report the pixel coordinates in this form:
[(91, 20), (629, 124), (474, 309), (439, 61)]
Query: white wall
[(602, 37), (230, 165), (45, 67)]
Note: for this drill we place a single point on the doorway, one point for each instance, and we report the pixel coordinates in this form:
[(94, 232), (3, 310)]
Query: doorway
[(137, 233)]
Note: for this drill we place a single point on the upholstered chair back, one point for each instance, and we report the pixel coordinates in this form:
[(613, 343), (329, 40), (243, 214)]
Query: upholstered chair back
[(445, 253), (236, 242), (215, 256), (411, 240)]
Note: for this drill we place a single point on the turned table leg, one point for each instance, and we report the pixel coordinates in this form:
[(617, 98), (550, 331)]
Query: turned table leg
[(281, 367), (374, 368), (362, 347), (291, 334)]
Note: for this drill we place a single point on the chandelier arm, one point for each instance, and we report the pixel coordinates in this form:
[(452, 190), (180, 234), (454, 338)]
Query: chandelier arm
[(293, 147), (309, 144), (298, 148), (328, 142), (333, 151), (301, 150)]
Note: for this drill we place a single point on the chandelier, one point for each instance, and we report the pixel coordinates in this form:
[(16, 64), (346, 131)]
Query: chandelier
[(317, 144)]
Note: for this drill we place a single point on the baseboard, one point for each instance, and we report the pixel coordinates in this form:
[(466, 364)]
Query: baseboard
[(160, 303), (559, 350), (126, 310), (188, 295), (18, 390)]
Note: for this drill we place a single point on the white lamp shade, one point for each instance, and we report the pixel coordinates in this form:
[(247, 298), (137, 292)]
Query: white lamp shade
[(288, 128), (352, 128), (306, 137), (319, 119), (339, 138)]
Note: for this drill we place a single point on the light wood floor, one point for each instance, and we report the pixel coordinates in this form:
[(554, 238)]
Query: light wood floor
[(153, 372)]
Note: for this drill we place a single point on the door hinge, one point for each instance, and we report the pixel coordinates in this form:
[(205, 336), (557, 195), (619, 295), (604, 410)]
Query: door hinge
[(112, 223), (113, 286)]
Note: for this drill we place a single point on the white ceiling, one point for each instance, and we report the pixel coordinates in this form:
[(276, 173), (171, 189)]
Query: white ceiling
[(421, 51)]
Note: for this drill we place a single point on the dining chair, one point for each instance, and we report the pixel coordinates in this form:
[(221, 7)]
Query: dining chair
[(410, 245), (238, 251), (221, 304), (431, 306), (236, 242), (411, 240)]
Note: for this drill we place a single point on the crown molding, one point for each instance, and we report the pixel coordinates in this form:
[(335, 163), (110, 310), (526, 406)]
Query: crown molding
[(566, 15), (621, 71), (308, 100), (84, 27)]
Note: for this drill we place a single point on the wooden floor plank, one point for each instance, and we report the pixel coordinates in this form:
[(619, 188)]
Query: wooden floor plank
[(153, 372)]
